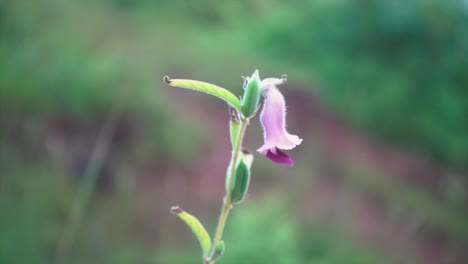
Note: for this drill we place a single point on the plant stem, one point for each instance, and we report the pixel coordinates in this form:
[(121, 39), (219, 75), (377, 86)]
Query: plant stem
[(227, 205)]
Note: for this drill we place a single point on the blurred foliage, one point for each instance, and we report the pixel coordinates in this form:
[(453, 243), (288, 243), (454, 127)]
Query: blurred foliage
[(270, 235), (26, 230), (51, 67), (34, 201), (396, 69)]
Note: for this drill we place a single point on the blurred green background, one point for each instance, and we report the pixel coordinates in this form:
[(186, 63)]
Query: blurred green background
[(377, 89)]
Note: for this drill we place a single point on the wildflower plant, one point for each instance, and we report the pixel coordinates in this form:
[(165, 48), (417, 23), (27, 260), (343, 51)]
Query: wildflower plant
[(276, 140)]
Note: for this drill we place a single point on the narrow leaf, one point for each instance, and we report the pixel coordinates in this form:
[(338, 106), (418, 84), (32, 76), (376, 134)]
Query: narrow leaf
[(196, 227), (208, 88), (234, 126)]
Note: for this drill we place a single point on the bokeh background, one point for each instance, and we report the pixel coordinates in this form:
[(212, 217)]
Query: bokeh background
[(95, 148)]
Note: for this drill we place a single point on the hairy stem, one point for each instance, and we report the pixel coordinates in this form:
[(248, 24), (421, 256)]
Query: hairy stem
[(227, 204)]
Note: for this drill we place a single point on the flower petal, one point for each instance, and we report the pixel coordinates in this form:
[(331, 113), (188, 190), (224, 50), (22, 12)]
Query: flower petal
[(279, 156), (273, 119)]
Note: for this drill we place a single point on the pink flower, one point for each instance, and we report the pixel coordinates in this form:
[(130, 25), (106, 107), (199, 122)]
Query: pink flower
[(273, 119)]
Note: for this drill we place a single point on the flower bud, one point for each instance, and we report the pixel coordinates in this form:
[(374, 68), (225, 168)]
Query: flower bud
[(252, 91), (219, 251), (242, 178), (241, 183)]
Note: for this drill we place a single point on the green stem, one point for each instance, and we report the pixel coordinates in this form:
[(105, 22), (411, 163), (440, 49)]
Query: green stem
[(227, 205)]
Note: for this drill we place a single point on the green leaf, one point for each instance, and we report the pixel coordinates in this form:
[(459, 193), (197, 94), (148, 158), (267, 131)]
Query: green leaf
[(234, 129), (196, 227), (234, 126), (208, 88)]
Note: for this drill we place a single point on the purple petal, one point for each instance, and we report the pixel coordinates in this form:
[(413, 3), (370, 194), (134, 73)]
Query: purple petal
[(273, 119), (279, 156)]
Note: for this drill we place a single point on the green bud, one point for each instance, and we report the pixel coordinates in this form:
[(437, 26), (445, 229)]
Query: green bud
[(219, 251), (252, 91), (242, 178)]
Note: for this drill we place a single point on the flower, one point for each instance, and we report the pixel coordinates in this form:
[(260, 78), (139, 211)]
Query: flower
[(273, 119)]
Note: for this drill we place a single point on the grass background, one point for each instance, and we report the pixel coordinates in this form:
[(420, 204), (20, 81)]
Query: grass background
[(377, 90)]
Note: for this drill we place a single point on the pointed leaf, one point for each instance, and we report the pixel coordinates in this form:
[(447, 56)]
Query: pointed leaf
[(208, 88), (196, 227)]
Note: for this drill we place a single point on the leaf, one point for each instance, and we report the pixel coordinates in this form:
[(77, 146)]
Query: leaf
[(234, 126), (208, 88), (196, 227), (234, 129)]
